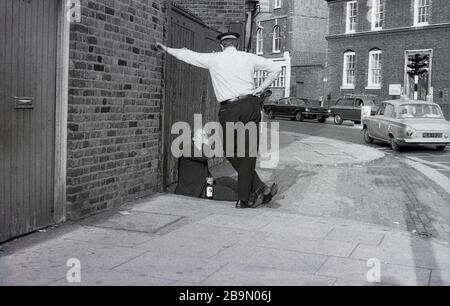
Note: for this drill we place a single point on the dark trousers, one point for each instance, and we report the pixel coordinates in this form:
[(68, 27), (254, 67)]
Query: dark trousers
[(245, 111), (225, 189)]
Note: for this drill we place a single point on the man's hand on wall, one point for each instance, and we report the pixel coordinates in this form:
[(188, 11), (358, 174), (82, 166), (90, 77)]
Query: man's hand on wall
[(160, 47)]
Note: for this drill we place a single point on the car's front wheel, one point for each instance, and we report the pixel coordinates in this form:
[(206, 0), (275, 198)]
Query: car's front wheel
[(394, 144), (338, 120), (299, 116), (322, 119), (366, 136), (440, 148), (271, 115)]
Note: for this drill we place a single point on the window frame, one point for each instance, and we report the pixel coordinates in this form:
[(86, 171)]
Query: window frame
[(348, 30), (376, 5), (277, 4), (259, 42), (345, 84), (276, 30), (370, 83), (417, 23)]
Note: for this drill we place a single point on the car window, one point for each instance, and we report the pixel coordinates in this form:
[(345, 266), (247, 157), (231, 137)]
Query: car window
[(359, 103), (389, 111), (283, 101), (420, 111), (381, 110), (345, 102), (299, 102)]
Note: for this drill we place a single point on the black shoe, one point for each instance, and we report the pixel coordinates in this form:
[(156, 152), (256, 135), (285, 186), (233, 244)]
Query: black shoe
[(269, 193), (242, 204), (256, 198)]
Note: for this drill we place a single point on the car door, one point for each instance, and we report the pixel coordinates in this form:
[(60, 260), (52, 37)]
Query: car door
[(281, 108), (386, 121), (375, 122), (345, 108), (299, 105), (354, 112)]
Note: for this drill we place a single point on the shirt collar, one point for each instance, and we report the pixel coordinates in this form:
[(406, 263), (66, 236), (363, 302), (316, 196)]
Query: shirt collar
[(230, 49)]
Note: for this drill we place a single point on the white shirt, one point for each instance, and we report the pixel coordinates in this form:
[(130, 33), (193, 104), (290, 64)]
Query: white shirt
[(232, 71)]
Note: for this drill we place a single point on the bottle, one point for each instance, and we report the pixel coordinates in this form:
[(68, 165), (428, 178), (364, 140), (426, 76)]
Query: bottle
[(209, 187)]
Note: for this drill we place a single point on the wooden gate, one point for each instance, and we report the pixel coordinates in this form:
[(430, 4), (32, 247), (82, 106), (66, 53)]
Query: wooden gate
[(188, 89), (28, 45)]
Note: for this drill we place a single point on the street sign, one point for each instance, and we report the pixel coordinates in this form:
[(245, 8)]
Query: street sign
[(395, 90)]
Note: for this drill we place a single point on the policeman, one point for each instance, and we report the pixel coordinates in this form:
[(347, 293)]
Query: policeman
[(232, 75)]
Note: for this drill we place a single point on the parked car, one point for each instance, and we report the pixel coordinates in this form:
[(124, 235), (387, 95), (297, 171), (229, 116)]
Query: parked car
[(406, 122), (350, 109), (297, 109)]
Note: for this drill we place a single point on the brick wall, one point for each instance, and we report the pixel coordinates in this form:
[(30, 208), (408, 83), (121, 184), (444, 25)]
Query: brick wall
[(399, 13), (218, 14), (393, 47), (115, 94)]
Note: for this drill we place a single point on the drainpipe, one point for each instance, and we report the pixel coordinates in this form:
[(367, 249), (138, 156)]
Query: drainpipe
[(252, 9)]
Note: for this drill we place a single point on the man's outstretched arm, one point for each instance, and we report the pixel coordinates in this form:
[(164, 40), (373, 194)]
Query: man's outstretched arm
[(193, 58)]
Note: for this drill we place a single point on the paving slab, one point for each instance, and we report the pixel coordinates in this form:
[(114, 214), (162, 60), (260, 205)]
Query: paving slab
[(359, 236), (170, 266), (134, 221), (252, 275), (357, 270), (101, 277), (271, 258), (307, 245)]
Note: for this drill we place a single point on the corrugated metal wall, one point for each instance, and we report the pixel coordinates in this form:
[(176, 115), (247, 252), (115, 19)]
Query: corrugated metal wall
[(28, 40)]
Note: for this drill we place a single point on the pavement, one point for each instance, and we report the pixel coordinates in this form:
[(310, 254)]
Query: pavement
[(345, 213)]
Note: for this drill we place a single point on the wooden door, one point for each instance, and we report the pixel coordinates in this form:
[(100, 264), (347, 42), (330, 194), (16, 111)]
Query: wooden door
[(28, 43)]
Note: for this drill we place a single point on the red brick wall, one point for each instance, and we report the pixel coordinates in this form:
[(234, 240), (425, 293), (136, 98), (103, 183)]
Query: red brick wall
[(115, 94), (218, 14)]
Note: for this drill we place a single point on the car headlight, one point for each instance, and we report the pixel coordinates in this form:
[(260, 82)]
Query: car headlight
[(445, 135), (307, 110), (329, 110)]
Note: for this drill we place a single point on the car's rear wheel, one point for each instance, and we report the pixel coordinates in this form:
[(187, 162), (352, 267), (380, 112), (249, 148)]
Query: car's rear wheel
[(271, 115), (299, 116), (366, 136), (338, 120), (394, 144), (322, 119), (440, 148), (357, 122)]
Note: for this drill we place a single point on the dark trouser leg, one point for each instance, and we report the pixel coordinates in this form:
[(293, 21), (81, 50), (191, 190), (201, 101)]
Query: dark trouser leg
[(244, 111), (226, 189)]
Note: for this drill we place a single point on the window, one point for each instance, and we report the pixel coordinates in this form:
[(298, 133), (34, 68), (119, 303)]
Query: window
[(345, 102), (377, 14), (374, 69), (277, 3), (276, 39), (422, 10), (352, 13), (389, 111), (260, 77), (349, 70), (259, 42)]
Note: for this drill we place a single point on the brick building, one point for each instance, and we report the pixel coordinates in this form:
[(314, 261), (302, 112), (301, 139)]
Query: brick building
[(370, 41), (82, 130), (292, 32), (218, 14)]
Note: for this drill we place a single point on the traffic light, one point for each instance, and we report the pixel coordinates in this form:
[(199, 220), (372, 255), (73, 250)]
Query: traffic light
[(418, 64)]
